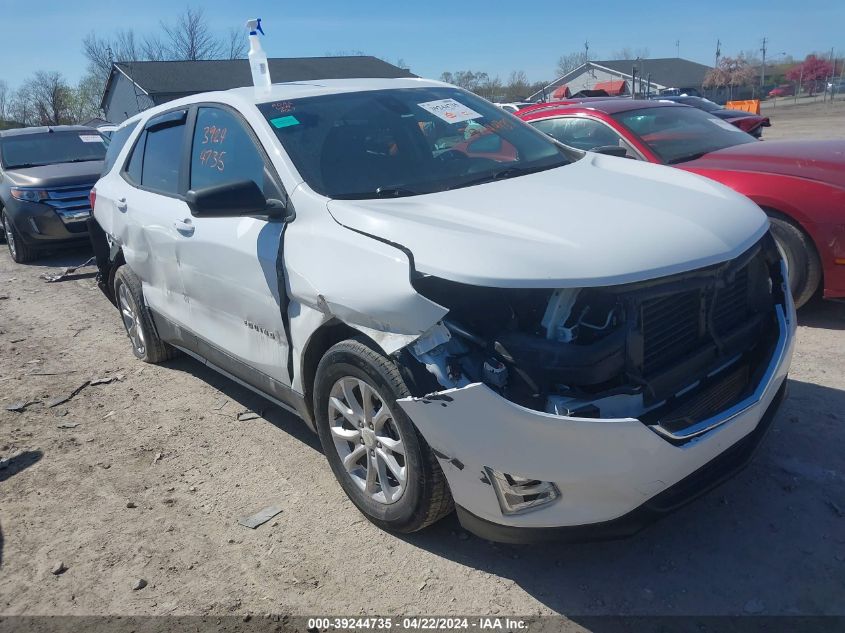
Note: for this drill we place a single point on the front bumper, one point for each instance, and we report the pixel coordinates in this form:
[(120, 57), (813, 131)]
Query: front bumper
[(617, 473), (40, 226)]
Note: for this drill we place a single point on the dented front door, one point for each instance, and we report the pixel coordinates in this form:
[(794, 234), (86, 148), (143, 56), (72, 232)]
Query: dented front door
[(229, 265)]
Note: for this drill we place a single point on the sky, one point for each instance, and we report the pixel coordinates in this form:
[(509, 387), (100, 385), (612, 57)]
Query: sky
[(432, 37)]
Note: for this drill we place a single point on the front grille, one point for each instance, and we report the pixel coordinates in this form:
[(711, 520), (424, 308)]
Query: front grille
[(731, 303), (677, 324), (71, 204), (671, 329)]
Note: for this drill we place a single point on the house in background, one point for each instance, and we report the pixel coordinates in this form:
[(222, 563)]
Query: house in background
[(135, 86), (616, 77)]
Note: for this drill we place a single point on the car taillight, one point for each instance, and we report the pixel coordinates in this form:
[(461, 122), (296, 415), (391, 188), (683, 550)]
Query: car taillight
[(92, 198)]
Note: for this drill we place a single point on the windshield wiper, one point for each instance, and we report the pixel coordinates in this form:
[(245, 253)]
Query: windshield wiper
[(81, 160), (502, 174), (26, 165), (380, 192)]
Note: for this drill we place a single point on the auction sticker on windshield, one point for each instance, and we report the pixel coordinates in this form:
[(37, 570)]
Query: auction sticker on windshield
[(90, 138), (450, 110)]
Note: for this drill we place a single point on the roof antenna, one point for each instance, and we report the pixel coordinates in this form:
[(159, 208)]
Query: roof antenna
[(258, 58)]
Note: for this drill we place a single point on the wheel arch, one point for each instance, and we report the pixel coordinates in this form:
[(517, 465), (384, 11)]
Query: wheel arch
[(323, 338)]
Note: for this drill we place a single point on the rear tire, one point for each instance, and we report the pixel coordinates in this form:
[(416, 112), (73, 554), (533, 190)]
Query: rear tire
[(137, 321), (20, 252), (391, 474), (805, 271)]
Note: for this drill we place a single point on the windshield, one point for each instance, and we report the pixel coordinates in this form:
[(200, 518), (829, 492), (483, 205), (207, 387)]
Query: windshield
[(700, 102), (50, 148), (678, 134), (402, 142)]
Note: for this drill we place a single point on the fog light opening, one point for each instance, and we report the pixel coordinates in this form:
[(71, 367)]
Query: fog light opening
[(517, 494)]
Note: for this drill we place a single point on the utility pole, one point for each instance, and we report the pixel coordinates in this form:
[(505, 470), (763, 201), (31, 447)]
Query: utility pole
[(678, 48), (718, 51), (763, 66)]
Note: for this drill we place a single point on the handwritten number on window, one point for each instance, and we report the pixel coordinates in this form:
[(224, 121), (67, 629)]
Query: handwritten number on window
[(213, 159), (213, 134)]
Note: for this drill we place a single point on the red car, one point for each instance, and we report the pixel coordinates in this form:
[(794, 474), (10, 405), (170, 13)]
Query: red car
[(799, 184), (786, 90)]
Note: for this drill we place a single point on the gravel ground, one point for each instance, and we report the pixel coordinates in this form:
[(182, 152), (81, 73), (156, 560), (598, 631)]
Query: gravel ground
[(146, 477), (821, 121)]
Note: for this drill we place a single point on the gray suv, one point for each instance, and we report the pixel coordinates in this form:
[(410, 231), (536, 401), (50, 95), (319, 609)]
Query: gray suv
[(46, 175)]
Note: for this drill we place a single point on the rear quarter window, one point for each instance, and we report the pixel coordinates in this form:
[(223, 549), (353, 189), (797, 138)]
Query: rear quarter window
[(116, 144)]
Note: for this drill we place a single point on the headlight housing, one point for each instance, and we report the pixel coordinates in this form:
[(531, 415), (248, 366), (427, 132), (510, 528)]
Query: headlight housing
[(28, 195)]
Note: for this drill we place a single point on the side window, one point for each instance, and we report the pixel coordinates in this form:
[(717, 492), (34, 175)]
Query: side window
[(163, 153), (136, 161), (581, 133), (223, 151), (115, 145)]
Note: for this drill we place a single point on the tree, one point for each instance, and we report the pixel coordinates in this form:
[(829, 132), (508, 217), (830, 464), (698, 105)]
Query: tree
[(190, 38), (569, 62), (50, 97), (517, 87), (810, 73), (630, 53), (466, 79), (5, 98), (731, 72), (235, 44)]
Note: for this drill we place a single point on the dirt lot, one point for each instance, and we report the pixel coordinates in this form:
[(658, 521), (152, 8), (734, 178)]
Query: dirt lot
[(807, 121), (151, 481)]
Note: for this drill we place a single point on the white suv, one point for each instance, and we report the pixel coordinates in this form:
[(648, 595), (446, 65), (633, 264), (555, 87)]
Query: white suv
[(558, 344)]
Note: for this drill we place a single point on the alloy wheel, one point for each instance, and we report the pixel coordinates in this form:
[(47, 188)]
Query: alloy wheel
[(367, 440), (129, 312)]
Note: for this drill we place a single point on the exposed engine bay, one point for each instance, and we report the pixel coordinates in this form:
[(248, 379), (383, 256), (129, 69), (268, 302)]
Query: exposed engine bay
[(674, 349)]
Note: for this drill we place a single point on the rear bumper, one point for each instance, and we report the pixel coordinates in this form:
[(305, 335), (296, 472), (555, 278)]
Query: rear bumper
[(613, 475), (40, 226)]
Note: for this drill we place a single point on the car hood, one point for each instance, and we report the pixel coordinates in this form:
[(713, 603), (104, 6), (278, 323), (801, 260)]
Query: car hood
[(58, 175), (815, 160), (599, 221)]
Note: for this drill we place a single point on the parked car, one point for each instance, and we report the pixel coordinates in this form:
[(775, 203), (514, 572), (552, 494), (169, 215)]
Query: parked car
[(799, 184), (454, 325), (514, 106), (836, 87), (786, 90), (751, 123), (46, 174)]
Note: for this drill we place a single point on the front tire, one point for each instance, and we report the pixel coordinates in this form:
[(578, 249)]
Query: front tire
[(129, 298), (805, 271), (377, 455), (20, 252)]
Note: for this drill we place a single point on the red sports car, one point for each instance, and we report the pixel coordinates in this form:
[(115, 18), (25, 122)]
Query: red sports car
[(799, 184)]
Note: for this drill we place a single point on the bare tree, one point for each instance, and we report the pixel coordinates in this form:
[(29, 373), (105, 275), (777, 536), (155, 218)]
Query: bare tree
[(517, 87), (154, 49), (466, 79), (569, 62), (235, 44), (49, 98), (190, 37), (631, 53), (5, 98)]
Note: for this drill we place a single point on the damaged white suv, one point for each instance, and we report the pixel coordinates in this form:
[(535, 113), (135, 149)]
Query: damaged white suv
[(558, 344)]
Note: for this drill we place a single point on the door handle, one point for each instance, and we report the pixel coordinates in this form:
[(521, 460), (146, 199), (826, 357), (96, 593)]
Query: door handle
[(121, 204), (185, 227)]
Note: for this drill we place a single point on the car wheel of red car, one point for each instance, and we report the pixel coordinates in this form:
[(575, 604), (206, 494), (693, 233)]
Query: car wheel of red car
[(805, 271)]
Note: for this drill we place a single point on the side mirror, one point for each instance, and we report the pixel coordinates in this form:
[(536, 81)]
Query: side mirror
[(233, 199), (611, 150)]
